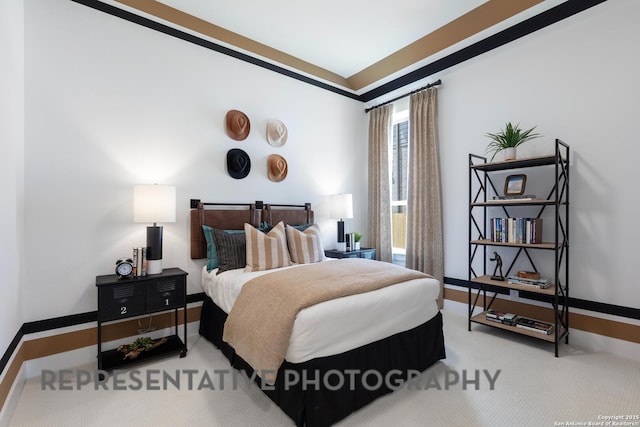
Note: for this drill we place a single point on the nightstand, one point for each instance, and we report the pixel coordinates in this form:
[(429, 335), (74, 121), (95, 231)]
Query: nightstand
[(360, 253), (137, 296)]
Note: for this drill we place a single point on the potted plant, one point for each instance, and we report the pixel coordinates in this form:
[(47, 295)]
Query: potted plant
[(508, 139), (356, 237)]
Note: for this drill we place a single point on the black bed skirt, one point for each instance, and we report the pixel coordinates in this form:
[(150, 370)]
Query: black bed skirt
[(318, 403)]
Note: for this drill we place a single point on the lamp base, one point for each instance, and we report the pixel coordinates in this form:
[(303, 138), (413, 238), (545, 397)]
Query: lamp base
[(154, 266), (342, 246)]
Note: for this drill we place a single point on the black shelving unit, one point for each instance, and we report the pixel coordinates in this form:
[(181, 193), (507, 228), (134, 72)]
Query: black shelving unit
[(482, 206)]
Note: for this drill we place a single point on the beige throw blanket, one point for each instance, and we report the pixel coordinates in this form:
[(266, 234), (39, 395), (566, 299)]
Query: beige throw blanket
[(260, 323)]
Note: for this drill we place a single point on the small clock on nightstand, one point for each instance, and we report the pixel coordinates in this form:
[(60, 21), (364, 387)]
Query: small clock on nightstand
[(124, 268)]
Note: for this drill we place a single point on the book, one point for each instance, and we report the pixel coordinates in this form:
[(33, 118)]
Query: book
[(516, 230), (134, 258), (534, 325), (536, 283), (500, 317), (514, 198)]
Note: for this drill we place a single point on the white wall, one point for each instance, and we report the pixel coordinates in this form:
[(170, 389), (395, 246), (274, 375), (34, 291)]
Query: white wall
[(577, 81), (110, 104), (11, 168)]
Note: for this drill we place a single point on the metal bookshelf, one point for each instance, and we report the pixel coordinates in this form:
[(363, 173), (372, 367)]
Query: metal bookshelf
[(482, 185)]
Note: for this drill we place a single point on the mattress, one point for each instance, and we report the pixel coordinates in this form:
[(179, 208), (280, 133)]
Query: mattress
[(342, 324)]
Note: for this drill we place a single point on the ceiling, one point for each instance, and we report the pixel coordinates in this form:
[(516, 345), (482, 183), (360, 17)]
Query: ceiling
[(353, 45)]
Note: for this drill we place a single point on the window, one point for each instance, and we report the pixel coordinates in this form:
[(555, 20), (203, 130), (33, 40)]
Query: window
[(399, 182)]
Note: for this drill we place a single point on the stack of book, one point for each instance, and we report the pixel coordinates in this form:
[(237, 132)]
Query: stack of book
[(516, 230), (139, 261), (534, 283), (501, 317), (534, 325)]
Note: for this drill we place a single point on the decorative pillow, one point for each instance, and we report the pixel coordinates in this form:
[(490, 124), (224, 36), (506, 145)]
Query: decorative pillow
[(231, 250), (212, 253), (266, 251), (305, 246), (265, 227)]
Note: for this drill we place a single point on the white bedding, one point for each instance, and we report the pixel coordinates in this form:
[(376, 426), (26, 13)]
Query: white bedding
[(342, 324)]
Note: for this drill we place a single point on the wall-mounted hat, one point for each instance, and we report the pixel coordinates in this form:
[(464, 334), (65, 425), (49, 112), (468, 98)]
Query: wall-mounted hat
[(277, 168), (276, 133), (238, 125), (238, 163)]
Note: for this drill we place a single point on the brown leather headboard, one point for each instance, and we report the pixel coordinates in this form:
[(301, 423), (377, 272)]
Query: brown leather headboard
[(290, 214), (230, 216)]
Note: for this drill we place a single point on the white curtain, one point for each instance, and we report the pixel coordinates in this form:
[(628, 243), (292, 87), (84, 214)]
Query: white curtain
[(379, 231), (425, 246)]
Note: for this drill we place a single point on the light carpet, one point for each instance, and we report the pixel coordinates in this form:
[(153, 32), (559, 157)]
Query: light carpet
[(531, 388)]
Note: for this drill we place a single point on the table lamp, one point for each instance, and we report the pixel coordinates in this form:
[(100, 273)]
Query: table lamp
[(340, 207), (154, 203)]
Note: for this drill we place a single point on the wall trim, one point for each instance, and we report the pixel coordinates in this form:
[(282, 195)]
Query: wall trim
[(524, 28), (596, 307), (57, 343), (173, 32)]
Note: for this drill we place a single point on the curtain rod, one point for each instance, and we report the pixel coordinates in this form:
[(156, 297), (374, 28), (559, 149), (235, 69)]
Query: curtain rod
[(436, 83)]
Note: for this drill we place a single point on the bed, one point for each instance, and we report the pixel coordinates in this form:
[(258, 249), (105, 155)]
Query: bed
[(328, 338)]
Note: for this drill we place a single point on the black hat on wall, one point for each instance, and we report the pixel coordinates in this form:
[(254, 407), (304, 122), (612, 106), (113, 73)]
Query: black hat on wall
[(238, 163)]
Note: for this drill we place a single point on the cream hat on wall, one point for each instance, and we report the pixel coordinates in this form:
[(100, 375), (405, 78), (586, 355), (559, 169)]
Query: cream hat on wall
[(276, 133), (277, 168)]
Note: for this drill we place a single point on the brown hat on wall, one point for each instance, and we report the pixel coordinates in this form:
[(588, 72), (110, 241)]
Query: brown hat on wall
[(277, 168), (238, 125)]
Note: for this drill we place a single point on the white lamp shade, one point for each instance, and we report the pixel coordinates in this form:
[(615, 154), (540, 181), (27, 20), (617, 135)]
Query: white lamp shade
[(154, 203), (340, 206)]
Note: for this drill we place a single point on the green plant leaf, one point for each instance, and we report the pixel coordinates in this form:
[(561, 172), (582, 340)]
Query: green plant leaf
[(511, 136)]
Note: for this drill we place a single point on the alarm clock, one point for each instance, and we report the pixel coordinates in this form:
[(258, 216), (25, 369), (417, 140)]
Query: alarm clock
[(124, 268)]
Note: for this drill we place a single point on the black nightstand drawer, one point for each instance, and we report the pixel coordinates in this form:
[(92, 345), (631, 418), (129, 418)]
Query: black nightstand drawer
[(165, 293), (120, 301)]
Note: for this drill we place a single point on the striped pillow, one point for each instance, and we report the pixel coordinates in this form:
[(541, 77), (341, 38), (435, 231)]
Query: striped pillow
[(266, 251), (305, 246)]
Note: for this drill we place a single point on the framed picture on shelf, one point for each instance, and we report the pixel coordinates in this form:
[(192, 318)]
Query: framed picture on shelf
[(514, 185)]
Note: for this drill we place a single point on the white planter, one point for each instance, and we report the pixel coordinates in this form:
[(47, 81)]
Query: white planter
[(510, 153), (357, 245)]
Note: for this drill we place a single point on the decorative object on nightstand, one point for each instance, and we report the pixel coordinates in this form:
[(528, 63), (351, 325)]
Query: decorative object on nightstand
[(122, 298), (154, 203), (356, 240), (341, 207), (508, 140), (124, 268)]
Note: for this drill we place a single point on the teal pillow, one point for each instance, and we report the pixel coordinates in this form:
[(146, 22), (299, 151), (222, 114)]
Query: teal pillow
[(212, 253), (265, 228)]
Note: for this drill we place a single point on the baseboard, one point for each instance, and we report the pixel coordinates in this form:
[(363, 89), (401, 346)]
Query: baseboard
[(587, 331), (69, 346), (13, 380)]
